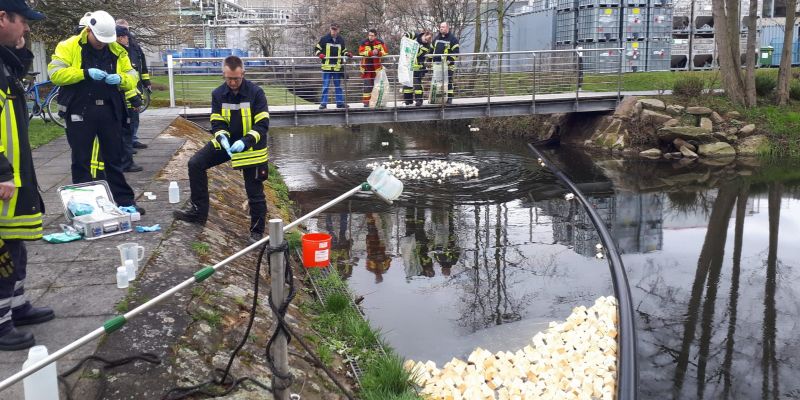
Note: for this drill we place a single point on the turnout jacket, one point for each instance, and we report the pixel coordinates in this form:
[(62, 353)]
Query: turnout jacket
[(424, 49), (138, 61), (21, 215), (243, 115), (446, 44), (67, 70), (371, 64), (334, 49)]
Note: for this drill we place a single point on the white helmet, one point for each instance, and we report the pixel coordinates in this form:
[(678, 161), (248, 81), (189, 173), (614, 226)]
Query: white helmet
[(103, 26), (84, 22)]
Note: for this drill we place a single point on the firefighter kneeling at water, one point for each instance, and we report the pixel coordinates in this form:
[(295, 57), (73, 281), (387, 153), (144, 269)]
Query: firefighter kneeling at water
[(239, 123)]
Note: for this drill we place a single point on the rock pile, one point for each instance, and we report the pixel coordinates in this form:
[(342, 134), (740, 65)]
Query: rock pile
[(575, 359)]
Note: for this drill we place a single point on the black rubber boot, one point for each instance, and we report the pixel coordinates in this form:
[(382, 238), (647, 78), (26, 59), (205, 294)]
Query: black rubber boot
[(16, 340), (34, 315), (191, 215)]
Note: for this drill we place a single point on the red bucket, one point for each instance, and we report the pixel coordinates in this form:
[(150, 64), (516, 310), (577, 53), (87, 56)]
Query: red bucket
[(316, 249)]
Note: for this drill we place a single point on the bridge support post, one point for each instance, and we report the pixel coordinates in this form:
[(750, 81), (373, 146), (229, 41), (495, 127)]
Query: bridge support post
[(171, 74)]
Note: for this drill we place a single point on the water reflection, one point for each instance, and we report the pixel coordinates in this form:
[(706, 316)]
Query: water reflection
[(710, 252)]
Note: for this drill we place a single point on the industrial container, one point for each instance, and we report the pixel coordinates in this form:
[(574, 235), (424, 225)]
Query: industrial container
[(703, 45), (659, 23), (702, 60), (778, 48), (605, 59), (659, 55), (634, 3), (660, 3), (633, 57), (565, 27), (566, 5), (598, 3), (598, 24), (634, 23)]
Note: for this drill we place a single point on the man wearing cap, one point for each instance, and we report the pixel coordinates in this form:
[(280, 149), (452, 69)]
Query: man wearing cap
[(136, 54), (21, 206), (96, 78), (131, 119), (332, 50)]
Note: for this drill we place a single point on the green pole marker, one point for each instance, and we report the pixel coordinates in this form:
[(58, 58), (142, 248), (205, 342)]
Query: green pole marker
[(366, 187), (203, 274), (114, 323)]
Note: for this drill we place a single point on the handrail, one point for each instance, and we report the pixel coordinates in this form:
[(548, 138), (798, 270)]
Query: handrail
[(627, 369)]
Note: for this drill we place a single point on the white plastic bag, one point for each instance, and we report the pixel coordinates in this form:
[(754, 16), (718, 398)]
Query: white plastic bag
[(380, 90), (439, 81), (405, 65)]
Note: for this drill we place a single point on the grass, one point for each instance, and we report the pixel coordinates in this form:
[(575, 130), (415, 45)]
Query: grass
[(342, 330), (41, 132), (195, 91), (279, 192), (213, 318), (200, 248), (123, 306)]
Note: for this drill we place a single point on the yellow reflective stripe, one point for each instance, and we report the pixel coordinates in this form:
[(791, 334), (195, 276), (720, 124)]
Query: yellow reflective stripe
[(21, 220), (261, 116), (250, 157), (255, 135), (247, 120), (32, 235), (10, 142), (94, 164), (2, 96), (146, 77), (224, 132), (217, 117), (226, 115)]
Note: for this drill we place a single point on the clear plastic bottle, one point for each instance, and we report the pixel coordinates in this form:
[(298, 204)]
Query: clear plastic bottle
[(130, 267), (122, 277), (174, 193), (42, 384)]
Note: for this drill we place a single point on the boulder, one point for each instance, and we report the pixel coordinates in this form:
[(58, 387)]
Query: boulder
[(699, 110), (672, 122), (668, 134), (675, 109), (653, 104), (718, 149), (731, 138), (678, 143), (651, 153), (731, 131), (628, 108), (733, 115), (718, 161), (736, 123), (752, 146), (747, 130), (716, 118), (720, 136), (674, 154), (688, 153), (655, 117), (706, 123)]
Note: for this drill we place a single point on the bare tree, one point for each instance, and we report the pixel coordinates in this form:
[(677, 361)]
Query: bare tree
[(750, 55), (726, 24), (785, 69), (476, 48), (266, 38)]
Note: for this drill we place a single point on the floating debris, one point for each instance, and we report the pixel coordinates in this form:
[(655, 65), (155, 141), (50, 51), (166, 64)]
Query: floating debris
[(417, 170), (391, 130), (576, 359), (569, 196)]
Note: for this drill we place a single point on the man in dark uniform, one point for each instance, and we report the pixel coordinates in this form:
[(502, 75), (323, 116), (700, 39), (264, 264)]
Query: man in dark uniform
[(332, 51), (139, 63), (445, 44), (239, 115), (410, 94), (131, 122), (21, 206), (96, 78)]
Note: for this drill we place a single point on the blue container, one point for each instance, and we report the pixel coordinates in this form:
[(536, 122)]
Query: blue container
[(222, 52), (190, 53), (240, 53), (778, 48)]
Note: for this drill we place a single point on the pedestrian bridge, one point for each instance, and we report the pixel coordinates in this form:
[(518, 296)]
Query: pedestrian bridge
[(486, 85)]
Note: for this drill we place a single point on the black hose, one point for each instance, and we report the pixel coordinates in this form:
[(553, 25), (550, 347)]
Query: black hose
[(628, 371)]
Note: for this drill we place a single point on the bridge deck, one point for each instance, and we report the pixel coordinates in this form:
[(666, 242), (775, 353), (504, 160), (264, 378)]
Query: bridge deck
[(473, 107)]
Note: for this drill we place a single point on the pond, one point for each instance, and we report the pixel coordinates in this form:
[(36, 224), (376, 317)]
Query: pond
[(709, 249)]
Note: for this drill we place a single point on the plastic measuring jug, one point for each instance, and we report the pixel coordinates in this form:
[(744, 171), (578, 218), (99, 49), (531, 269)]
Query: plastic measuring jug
[(131, 251)]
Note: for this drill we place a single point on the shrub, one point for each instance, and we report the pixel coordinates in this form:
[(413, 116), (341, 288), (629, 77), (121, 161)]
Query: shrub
[(765, 84), (794, 90), (336, 303), (688, 86), (386, 378)]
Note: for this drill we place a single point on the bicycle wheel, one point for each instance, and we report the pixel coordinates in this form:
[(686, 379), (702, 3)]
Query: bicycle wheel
[(51, 104), (145, 96)]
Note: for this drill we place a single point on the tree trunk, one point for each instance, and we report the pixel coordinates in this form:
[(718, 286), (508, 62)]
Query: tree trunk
[(750, 56), (785, 71), (501, 16), (726, 24), (476, 48)]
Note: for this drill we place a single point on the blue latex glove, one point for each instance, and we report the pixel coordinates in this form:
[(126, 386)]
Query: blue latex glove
[(156, 227), (97, 74), (113, 79), (223, 141), (237, 146), (61, 237)]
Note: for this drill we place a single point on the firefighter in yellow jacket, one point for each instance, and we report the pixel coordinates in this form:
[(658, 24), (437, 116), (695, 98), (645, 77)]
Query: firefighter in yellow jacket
[(21, 205), (96, 78), (239, 124)]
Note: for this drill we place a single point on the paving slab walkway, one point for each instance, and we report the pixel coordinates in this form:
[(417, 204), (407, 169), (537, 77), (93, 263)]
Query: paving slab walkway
[(78, 279)]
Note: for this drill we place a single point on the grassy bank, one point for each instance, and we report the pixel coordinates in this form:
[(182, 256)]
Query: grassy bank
[(195, 90), (41, 133)]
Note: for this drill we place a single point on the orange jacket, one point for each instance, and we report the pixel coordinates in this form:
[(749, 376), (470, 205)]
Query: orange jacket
[(371, 63)]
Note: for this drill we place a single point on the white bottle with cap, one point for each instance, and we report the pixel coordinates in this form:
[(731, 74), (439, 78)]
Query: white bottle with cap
[(130, 268), (122, 277), (42, 384), (174, 193)]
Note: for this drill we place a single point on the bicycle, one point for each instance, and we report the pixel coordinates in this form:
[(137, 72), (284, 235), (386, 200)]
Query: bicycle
[(145, 96), (45, 107)]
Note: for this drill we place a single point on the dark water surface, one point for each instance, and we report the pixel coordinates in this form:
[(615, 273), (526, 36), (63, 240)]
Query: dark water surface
[(711, 251)]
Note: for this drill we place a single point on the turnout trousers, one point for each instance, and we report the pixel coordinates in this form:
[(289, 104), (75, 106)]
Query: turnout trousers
[(208, 157), (12, 288), (415, 93), (99, 122)]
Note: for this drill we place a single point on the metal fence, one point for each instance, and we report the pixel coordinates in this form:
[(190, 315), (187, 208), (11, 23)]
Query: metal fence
[(477, 78)]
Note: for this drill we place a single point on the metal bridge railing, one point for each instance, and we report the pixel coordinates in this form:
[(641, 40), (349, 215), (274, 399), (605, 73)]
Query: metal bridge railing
[(296, 82)]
